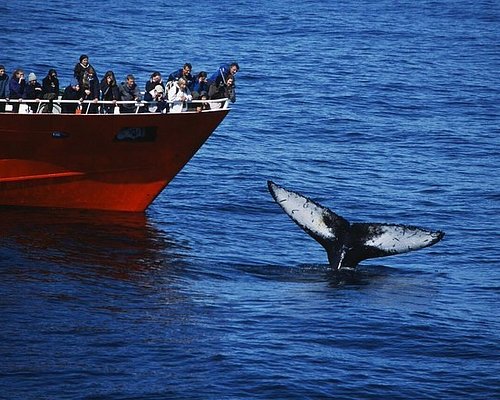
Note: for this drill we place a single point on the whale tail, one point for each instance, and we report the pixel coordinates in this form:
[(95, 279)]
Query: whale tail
[(347, 244)]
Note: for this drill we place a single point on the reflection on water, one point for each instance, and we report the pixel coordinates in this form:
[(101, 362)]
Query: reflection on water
[(109, 243), (91, 290)]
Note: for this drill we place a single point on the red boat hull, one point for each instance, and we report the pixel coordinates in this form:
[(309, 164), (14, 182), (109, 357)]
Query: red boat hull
[(117, 162)]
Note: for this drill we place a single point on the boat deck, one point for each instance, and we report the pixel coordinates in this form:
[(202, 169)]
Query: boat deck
[(105, 107)]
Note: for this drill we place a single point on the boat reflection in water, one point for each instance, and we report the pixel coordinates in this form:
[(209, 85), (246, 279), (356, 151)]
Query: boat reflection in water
[(105, 243)]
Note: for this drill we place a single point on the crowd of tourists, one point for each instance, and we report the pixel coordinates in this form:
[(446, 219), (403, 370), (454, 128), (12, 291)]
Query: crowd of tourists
[(175, 94)]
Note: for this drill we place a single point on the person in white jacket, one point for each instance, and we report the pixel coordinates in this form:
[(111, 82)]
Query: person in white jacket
[(179, 95)]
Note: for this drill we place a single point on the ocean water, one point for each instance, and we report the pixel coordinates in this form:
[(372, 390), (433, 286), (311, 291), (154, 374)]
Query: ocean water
[(383, 111)]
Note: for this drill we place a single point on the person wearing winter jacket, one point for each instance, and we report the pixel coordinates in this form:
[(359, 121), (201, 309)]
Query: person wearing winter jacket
[(89, 89), (156, 97), (50, 89), (129, 92), (179, 95), (219, 87), (109, 92), (17, 85), (4, 87), (200, 85), (71, 92), (226, 90), (220, 76), (185, 73), (153, 81), (33, 91), (82, 67)]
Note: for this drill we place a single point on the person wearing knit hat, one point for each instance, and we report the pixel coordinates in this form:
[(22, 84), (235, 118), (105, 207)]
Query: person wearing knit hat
[(33, 91)]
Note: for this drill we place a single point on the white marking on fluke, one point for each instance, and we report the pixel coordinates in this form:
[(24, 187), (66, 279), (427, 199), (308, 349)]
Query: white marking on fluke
[(347, 244)]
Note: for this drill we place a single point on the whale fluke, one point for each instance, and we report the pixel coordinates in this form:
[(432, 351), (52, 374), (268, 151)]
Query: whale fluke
[(347, 244)]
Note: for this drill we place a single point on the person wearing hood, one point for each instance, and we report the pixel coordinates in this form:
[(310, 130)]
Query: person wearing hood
[(109, 92), (50, 88), (71, 92)]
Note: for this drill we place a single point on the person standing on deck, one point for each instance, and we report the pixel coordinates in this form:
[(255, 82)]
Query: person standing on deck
[(17, 85), (33, 91), (218, 81), (157, 99), (109, 92), (82, 67), (50, 88), (222, 73), (4, 87), (225, 90), (179, 95), (129, 92), (72, 92), (90, 91), (200, 85), (185, 73), (154, 81)]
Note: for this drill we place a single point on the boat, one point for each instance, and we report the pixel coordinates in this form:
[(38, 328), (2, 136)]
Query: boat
[(112, 162)]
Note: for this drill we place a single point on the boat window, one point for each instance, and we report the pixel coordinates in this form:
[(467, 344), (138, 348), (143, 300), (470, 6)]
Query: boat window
[(135, 134)]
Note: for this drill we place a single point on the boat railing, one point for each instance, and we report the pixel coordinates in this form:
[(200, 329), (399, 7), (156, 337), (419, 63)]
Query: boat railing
[(108, 107)]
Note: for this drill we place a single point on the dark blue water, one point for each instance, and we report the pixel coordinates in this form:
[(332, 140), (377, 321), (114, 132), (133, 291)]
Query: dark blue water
[(384, 111)]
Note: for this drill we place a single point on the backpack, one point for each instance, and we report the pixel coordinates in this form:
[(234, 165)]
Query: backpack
[(169, 86)]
